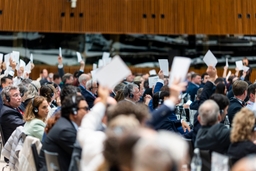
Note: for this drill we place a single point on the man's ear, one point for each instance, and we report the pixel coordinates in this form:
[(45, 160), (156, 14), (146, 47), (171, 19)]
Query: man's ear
[(199, 119), (219, 117)]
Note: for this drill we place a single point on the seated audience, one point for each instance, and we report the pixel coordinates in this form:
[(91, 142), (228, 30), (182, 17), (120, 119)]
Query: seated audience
[(62, 135), (35, 115)]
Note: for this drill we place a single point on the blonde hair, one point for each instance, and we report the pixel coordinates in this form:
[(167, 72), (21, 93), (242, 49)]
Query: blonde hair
[(243, 123), (29, 114)]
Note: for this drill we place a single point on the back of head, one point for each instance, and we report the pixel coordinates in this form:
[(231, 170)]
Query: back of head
[(242, 126), (67, 90), (246, 164), (221, 100), (32, 91), (164, 152), (220, 88), (239, 87), (208, 113), (128, 108), (47, 91)]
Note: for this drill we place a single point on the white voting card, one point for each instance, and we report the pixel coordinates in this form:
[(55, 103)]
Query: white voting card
[(79, 57), (22, 63), (239, 65), (227, 62), (1, 57), (94, 66), (111, 74), (60, 53), (15, 56), (245, 68), (210, 59), (100, 63), (164, 66), (105, 55), (152, 72), (179, 69), (28, 68), (152, 81), (31, 57)]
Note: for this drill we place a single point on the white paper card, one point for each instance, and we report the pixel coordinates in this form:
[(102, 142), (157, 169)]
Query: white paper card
[(31, 57), (105, 55), (94, 66), (219, 162), (100, 63), (1, 57), (106, 61), (226, 62), (79, 57), (164, 66), (60, 53), (152, 72), (188, 102), (239, 65), (28, 68), (152, 81), (22, 63), (245, 68), (210, 59), (6, 59), (16, 56), (93, 72), (108, 75), (177, 71)]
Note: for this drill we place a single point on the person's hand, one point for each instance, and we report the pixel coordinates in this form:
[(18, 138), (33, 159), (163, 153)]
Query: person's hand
[(225, 68), (32, 66), (103, 93), (147, 99), (244, 73), (237, 69), (81, 63), (161, 75), (60, 60), (12, 63), (212, 72), (176, 87), (185, 106), (185, 126), (4, 66)]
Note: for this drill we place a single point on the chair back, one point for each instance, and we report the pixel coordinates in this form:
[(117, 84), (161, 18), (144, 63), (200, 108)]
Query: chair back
[(76, 157), (206, 160), (2, 135), (35, 156), (52, 162)]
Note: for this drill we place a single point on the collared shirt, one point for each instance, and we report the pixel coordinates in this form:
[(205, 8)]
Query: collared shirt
[(129, 100), (250, 105), (75, 125)]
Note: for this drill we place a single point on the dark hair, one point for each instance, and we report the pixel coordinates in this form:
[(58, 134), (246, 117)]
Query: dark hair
[(69, 104), (119, 95), (51, 121), (221, 100), (3, 79), (251, 89), (66, 76), (193, 76), (67, 90), (219, 80), (23, 89), (158, 98), (56, 76), (204, 74), (47, 91), (220, 88)]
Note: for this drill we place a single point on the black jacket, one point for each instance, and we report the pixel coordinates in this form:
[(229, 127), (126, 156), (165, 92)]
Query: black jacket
[(213, 138), (234, 107), (10, 119), (241, 149), (60, 139)]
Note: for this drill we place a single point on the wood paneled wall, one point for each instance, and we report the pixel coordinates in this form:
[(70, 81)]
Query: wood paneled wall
[(130, 16), (71, 69)]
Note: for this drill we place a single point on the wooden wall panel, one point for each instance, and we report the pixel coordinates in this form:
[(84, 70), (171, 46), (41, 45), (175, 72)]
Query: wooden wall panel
[(126, 16)]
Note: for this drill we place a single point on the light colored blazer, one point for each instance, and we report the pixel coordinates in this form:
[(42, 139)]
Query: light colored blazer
[(34, 128)]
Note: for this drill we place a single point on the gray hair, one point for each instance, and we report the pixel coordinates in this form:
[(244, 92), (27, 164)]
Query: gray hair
[(89, 84), (129, 88), (32, 91), (82, 78), (6, 92), (162, 152), (208, 113)]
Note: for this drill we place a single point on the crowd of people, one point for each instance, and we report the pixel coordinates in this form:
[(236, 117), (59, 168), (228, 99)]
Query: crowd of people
[(130, 128)]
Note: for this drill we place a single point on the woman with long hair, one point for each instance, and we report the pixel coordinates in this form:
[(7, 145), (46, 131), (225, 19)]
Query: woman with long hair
[(35, 115)]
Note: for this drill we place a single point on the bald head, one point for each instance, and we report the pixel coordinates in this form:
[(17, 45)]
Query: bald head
[(245, 164), (208, 113)]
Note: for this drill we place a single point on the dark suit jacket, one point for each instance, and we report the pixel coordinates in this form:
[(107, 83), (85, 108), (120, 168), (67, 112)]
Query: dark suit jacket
[(60, 139), (88, 96), (234, 107), (10, 119), (192, 90)]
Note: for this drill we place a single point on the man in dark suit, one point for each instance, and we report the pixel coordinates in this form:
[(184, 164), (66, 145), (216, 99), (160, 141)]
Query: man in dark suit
[(88, 95), (10, 115), (62, 135), (237, 102), (193, 86)]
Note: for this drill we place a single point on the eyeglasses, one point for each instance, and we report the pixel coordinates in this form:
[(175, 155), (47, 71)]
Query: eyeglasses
[(86, 108)]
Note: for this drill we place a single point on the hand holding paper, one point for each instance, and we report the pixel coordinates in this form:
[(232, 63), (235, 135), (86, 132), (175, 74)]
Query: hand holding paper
[(79, 57), (60, 53), (164, 66), (239, 65), (179, 68)]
